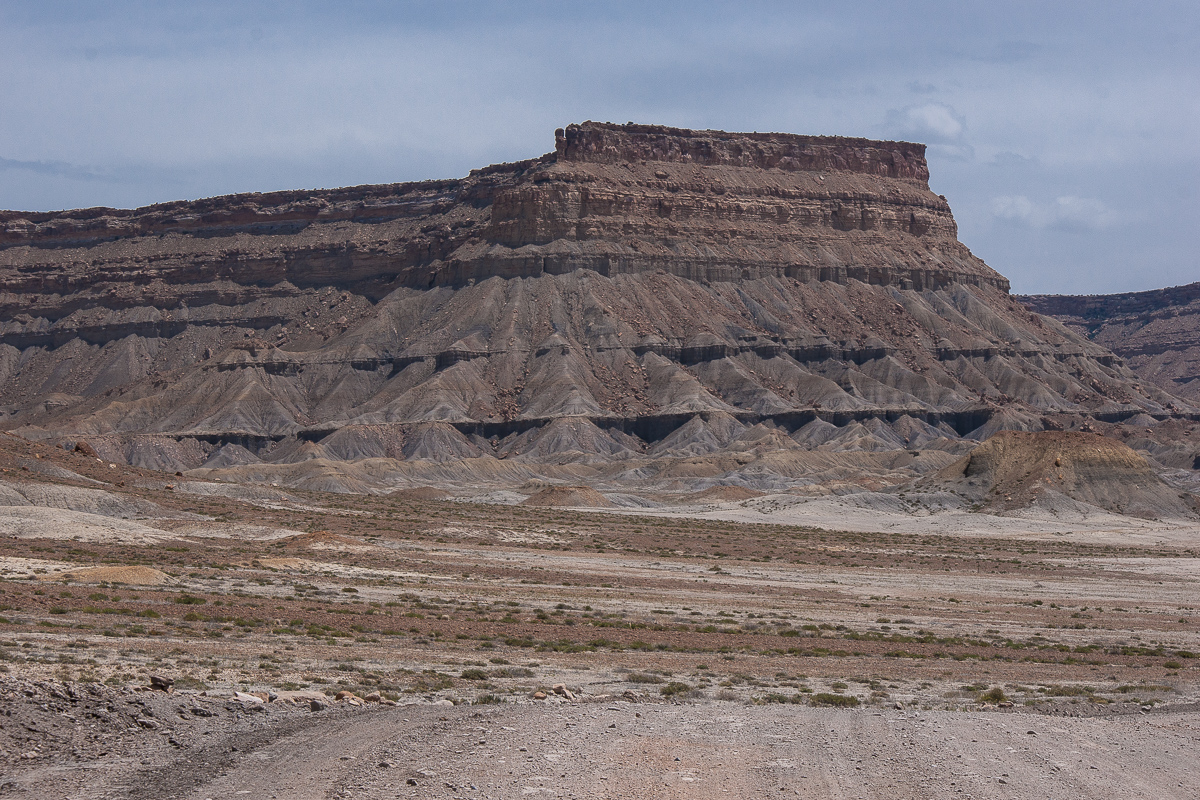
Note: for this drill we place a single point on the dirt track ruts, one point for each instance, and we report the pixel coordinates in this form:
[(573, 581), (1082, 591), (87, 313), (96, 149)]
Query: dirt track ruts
[(705, 750)]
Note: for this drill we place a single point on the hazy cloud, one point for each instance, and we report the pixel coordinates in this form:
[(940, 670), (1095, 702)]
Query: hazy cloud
[(1067, 213), (936, 124), (57, 168), (931, 122)]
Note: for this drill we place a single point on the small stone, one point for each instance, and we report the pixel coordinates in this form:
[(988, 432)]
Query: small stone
[(161, 683), (316, 705), (148, 724), (538, 695), (373, 697)]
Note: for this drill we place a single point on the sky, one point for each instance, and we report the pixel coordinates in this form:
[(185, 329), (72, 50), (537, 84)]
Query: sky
[(1065, 135)]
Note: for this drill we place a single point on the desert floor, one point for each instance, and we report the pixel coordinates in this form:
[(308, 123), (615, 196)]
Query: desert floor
[(735, 649)]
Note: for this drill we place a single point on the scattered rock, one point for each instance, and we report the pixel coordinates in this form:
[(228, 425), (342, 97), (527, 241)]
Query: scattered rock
[(86, 449), (161, 683)]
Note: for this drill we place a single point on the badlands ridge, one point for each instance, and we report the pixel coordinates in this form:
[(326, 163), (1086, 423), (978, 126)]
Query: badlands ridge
[(643, 307)]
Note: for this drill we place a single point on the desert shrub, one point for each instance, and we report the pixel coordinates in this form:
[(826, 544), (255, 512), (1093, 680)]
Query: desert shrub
[(994, 695), (513, 672), (643, 677), (776, 697), (836, 700)]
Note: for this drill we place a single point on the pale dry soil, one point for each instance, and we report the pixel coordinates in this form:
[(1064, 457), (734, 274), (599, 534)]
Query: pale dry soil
[(703, 750), (725, 636)]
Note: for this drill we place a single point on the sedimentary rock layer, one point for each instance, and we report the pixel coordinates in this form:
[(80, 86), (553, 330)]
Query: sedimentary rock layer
[(639, 292), (1054, 470), (1157, 332)]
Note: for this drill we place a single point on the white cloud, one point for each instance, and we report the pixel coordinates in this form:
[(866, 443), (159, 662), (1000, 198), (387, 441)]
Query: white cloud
[(929, 122), (1063, 213), (935, 124)]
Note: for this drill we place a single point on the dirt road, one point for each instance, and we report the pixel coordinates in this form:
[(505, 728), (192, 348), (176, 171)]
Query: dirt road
[(709, 749)]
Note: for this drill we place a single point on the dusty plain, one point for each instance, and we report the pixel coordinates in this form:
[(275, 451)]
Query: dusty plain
[(729, 648)]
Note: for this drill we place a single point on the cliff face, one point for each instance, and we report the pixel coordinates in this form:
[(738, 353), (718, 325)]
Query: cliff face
[(640, 292), (1157, 332), (705, 205)]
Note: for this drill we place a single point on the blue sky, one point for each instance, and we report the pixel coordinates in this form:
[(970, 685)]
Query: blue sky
[(1067, 139)]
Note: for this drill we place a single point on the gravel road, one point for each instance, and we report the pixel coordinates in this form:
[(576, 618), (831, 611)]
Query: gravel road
[(711, 749)]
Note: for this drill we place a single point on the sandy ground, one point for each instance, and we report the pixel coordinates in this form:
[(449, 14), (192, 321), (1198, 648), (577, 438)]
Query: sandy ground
[(859, 514), (703, 644), (624, 750)]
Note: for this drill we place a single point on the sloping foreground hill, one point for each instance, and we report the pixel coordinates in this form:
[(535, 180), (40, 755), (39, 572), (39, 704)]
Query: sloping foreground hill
[(638, 299), (1055, 470)]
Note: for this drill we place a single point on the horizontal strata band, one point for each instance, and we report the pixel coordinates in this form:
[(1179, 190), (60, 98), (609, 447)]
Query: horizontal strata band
[(639, 289)]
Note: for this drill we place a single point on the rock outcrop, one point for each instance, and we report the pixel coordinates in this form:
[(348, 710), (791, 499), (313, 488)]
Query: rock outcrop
[(1156, 332), (640, 295), (1057, 471)]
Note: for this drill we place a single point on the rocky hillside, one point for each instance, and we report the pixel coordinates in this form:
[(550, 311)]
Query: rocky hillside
[(641, 295), (1056, 472), (1156, 332)]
